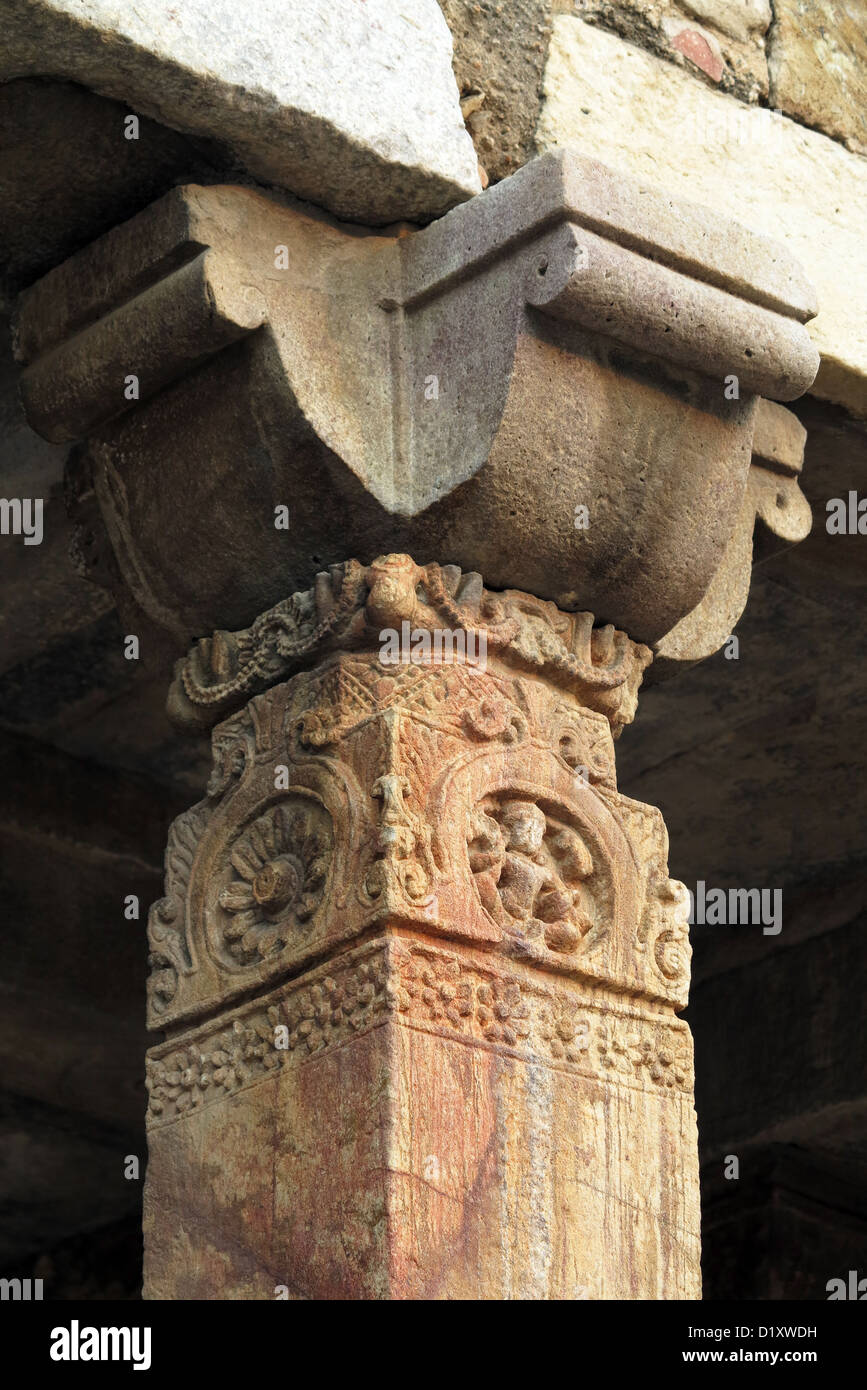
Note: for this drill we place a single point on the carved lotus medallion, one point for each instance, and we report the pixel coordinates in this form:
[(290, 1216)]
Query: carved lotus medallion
[(278, 869)]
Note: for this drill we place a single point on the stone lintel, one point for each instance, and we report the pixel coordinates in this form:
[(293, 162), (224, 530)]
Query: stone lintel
[(354, 107)]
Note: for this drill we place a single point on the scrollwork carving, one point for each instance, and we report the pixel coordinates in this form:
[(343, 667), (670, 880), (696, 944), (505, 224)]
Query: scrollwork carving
[(169, 954), (351, 604)]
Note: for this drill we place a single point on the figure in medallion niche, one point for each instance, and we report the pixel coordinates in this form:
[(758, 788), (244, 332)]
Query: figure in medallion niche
[(531, 871)]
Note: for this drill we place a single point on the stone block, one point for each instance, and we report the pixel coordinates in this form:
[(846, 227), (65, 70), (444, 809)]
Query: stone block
[(69, 174), (817, 60), (658, 124), (352, 106)]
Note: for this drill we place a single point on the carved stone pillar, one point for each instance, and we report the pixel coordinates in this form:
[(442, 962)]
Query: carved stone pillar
[(420, 876), (418, 964)]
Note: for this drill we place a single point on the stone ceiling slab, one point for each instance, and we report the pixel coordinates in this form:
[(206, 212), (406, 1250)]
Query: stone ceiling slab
[(351, 106)]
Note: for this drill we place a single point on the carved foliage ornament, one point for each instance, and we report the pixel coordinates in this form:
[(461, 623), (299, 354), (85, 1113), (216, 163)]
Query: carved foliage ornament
[(421, 987), (279, 866), (350, 605)]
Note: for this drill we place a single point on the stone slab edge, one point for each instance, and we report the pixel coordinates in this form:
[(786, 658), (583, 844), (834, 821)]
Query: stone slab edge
[(655, 122), (352, 107)]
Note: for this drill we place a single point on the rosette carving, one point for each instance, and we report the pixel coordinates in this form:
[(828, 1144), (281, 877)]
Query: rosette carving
[(279, 867)]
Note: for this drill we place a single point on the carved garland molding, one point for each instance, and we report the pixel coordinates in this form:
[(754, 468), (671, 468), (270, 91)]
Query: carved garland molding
[(422, 987), (351, 604)]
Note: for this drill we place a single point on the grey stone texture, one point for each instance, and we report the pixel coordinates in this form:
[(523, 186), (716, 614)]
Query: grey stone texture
[(351, 106), (405, 387)]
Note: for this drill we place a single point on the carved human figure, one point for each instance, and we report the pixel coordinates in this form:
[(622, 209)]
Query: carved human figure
[(527, 874)]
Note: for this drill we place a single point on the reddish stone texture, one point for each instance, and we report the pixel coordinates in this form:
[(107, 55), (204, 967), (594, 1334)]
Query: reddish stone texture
[(439, 962), (418, 1154), (696, 48)]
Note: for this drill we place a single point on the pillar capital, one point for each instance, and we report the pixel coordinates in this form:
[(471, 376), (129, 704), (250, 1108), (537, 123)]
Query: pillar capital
[(547, 385), (419, 961), (408, 764)]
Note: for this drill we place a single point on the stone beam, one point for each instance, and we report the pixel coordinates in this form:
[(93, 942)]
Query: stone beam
[(354, 107)]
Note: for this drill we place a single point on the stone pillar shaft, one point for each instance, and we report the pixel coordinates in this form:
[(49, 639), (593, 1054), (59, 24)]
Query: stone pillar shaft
[(419, 963)]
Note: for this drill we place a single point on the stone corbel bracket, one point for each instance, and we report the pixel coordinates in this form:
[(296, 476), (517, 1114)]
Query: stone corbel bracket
[(568, 340), (772, 497)]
